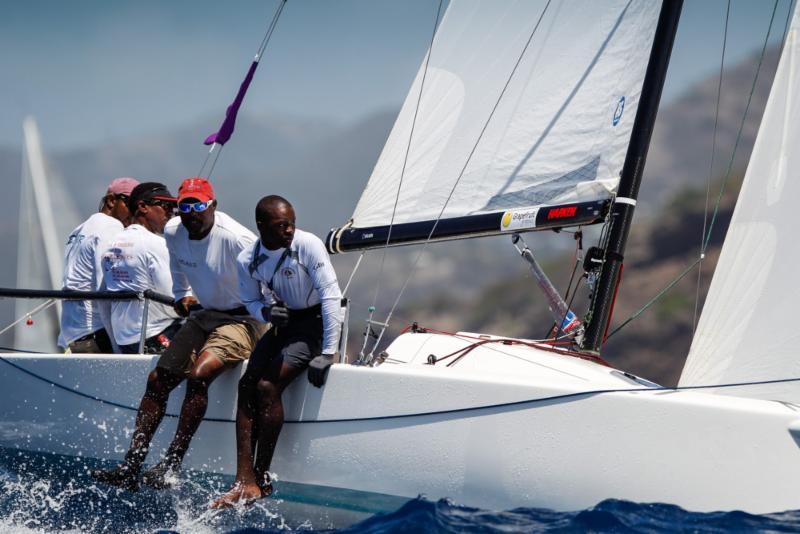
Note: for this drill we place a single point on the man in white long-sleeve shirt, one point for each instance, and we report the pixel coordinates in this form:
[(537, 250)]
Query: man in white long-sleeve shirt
[(138, 260), (203, 246), (83, 328), (303, 303)]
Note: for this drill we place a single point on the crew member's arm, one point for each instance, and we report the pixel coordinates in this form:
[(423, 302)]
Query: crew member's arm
[(180, 286), (160, 273), (250, 289), (324, 280)]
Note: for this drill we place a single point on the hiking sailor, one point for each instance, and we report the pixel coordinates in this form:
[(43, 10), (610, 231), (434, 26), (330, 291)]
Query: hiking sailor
[(83, 330), (305, 311), (203, 245), (138, 260)]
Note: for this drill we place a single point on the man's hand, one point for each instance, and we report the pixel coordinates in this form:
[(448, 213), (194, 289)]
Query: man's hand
[(278, 315), (182, 306), (318, 369)]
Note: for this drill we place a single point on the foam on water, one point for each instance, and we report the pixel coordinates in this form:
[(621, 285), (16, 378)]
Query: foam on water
[(45, 493)]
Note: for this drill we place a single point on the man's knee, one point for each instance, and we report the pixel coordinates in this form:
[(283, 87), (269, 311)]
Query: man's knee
[(267, 389), (160, 383)]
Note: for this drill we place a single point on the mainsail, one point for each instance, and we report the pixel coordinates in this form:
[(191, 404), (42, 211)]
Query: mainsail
[(748, 330), (518, 105)]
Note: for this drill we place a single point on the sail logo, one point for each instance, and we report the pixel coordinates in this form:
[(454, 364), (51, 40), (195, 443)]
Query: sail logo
[(518, 219), (618, 112)]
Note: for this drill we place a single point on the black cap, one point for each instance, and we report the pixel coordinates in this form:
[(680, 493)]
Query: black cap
[(149, 191)]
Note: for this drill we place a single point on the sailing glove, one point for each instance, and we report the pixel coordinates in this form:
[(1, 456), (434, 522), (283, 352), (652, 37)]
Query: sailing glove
[(318, 369), (278, 315)]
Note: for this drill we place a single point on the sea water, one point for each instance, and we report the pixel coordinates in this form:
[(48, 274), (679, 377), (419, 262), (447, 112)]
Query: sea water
[(46, 493)]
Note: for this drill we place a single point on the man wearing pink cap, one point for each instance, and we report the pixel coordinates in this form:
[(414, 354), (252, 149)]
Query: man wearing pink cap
[(82, 327), (203, 246)]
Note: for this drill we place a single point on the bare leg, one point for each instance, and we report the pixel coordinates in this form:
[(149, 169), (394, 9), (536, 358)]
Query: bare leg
[(152, 408), (270, 418), (207, 368), (261, 402)]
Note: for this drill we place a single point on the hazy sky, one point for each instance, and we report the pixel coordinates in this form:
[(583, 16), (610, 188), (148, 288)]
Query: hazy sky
[(94, 70)]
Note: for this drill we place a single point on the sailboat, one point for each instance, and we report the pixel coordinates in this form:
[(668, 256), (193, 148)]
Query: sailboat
[(523, 116), (40, 251)]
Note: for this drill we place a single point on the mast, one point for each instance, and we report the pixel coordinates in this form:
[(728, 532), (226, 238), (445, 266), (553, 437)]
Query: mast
[(622, 213)]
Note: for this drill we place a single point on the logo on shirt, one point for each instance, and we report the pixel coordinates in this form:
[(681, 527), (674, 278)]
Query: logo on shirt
[(288, 273), (75, 238), (112, 259), (187, 263)]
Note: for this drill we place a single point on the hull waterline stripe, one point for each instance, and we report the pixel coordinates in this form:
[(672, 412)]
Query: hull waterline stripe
[(514, 404)]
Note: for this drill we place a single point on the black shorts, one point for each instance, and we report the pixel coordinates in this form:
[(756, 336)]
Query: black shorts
[(295, 344), (154, 344)]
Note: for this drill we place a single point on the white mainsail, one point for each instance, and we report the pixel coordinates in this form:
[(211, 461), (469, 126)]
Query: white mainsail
[(565, 78), (748, 330)]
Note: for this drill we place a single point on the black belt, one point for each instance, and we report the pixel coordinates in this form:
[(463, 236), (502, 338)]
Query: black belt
[(240, 310), (305, 313), (88, 336)]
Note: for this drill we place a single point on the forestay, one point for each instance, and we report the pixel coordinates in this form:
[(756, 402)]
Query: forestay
[(748, 330), (560, 129)]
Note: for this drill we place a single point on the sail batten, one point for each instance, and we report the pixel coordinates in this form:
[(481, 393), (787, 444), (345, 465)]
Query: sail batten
[(524, 104)]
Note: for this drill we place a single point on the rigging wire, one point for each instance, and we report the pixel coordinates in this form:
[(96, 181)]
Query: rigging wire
[(405, 158), (41, 307), (725, 181), (264, 41), (460, 175), (711, 166), (353, 273)]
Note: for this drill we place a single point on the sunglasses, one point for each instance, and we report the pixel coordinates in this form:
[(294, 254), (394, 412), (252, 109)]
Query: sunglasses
[(165, 205), (116, 197), (187, 207)]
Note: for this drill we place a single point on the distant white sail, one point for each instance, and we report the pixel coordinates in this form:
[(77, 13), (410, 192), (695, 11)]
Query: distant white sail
[(559, 132), (43, 228), (748, 330)]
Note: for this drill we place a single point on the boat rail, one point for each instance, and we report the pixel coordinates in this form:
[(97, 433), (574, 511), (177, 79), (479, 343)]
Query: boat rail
[(52, 295), (146, 296)]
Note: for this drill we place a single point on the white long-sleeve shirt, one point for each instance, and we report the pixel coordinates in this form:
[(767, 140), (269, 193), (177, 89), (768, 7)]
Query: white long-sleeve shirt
[(304, 278), (82, 272), (137, 260), (207, 267)]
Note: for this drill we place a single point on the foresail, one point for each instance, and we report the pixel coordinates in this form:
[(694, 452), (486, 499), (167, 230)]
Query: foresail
[(748, 331), (523, 104)]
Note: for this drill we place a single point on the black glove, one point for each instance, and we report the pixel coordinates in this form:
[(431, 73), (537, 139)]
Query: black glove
[(318, 369), (278, 315)]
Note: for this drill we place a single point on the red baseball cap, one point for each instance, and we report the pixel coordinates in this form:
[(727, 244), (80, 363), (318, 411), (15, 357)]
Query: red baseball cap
[(196, 187)]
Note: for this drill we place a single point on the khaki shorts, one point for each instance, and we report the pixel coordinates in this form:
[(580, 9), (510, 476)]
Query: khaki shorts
[(231, 338)]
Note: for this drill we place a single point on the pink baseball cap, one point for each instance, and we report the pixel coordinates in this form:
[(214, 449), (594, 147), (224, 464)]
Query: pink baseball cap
[(121, 186)]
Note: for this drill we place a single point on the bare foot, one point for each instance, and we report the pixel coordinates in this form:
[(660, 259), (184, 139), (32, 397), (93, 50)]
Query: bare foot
[(242, 494)]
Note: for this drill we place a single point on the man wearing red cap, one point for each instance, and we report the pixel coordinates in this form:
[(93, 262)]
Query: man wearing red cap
[(82, 327), (203, 245)]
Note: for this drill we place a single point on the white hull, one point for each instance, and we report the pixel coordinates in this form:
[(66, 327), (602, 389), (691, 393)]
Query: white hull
[(476, 433)]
